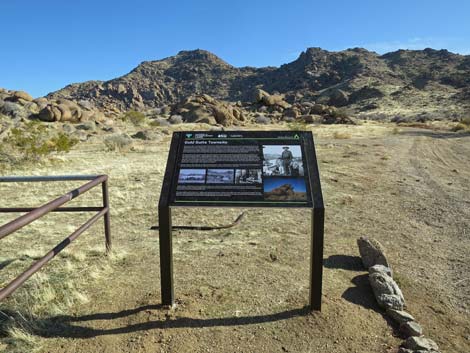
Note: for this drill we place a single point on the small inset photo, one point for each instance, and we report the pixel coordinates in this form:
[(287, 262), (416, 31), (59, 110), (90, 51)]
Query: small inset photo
[(188, 176), (284, 160), (220, 176), (285, 189), (248, 176)]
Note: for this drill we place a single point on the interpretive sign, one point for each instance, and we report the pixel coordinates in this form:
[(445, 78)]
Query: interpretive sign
[(241, 169)]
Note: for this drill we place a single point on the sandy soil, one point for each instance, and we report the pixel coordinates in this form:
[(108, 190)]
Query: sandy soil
[(245, 289)]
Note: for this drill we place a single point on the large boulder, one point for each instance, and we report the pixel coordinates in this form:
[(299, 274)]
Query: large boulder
[(14, 110), (291, 113), (68, 111), (257, 95), (338, 98), (205, 109), (16, 96), (275, 100), (372, 252)]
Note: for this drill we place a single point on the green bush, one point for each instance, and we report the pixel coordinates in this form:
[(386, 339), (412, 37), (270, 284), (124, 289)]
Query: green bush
[(136, 118), (32, 142)]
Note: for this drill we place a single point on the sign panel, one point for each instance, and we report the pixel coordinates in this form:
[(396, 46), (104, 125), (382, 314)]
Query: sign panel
[(246, 169), (242, 168)]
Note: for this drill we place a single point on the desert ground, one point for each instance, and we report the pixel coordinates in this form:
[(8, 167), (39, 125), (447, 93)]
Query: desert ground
[(245, 289)]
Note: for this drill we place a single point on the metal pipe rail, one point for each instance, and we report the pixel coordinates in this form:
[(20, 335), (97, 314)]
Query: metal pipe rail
[(54, 206)]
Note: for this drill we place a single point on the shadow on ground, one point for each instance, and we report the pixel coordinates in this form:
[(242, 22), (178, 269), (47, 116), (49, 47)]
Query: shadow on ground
[(344, 262), (66, 326), (362, 294)]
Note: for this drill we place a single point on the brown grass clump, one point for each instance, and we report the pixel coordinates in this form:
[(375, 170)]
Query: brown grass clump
[(463, 125), (341, 135)]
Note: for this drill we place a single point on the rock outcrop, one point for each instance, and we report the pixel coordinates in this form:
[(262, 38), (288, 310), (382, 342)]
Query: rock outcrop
[(19, 104), (360, 80), (205, 109)]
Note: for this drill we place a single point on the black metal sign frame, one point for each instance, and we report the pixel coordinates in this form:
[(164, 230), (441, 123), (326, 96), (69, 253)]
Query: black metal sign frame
[(314, 201)]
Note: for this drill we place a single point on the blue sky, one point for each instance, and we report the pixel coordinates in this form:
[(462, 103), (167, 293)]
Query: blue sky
[(48, 44)]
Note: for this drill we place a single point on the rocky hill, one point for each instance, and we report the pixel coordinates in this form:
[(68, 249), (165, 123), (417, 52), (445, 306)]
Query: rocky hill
[(408, 82)]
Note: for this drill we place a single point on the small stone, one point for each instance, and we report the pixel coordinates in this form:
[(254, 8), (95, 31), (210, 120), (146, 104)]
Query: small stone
[(87, 126), (262, 120), (372, 252), (420, 343), (411, 328), (161, 122), (381, 269), (176, 119), (400, 316)]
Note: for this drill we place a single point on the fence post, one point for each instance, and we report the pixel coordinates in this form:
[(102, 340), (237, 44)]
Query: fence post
[(106, 217)]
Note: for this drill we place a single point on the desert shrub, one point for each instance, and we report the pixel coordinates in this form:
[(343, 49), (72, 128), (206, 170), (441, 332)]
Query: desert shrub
[(118, 142), (460, 127), (297, 126), (136, 118), (339, 113), (32, 142)]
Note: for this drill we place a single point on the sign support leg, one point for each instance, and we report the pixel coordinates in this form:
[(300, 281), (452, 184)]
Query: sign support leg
[(166, 255), (316, 258)]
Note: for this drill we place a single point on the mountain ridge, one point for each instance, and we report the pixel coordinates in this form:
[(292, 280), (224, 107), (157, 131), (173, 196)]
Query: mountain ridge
[(364, 78)]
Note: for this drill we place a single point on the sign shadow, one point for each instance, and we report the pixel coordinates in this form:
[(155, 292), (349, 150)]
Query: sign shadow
[(65, 326)]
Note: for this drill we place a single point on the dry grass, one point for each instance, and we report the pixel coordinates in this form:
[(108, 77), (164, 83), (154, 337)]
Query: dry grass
[(118, 142), (462, 126), (339, 135), (220, 274)]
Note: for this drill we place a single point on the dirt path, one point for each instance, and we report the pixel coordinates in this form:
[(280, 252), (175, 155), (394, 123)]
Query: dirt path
[(244, 289)]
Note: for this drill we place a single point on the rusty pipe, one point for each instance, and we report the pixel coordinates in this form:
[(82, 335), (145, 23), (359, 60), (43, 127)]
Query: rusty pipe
[(26, 219), (18, 281)]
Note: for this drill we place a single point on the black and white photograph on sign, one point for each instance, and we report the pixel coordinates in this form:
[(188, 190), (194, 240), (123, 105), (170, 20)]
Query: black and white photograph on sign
[(282, 160), (248, 176), (220, 176), (188, 176), (285, 189)]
